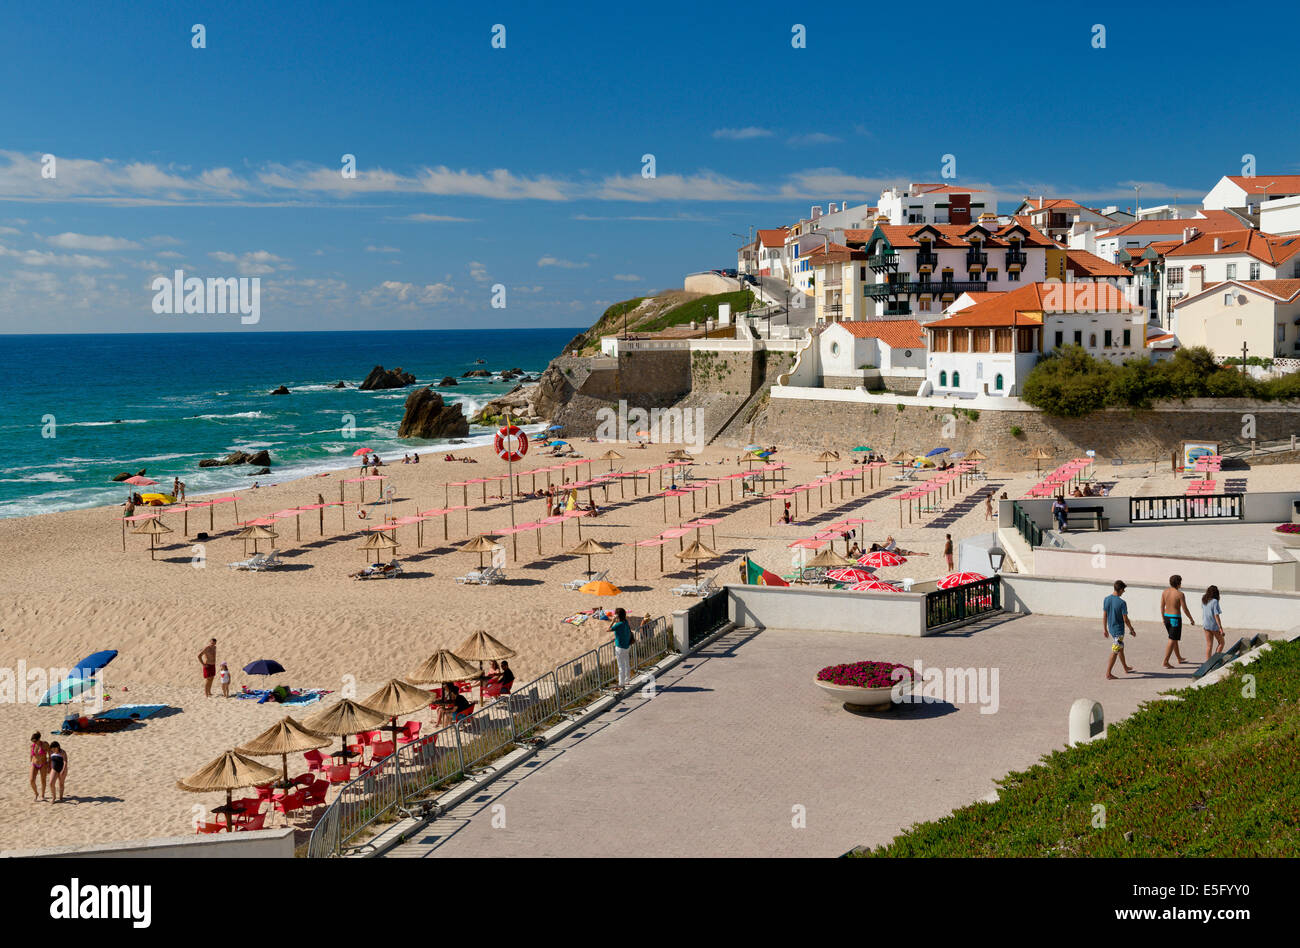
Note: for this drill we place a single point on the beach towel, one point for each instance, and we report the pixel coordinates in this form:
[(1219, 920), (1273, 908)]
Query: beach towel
[(578, 619), (307, 696), (130, 712)]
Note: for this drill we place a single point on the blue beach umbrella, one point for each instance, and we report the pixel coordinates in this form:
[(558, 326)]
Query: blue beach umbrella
[(87, 667), (930, 454), (65, 691), (263, 666), (753, 447), (556, 428), (862, 447), (554, 443)]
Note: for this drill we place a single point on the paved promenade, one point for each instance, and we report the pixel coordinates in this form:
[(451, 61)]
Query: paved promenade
[(738, 744)]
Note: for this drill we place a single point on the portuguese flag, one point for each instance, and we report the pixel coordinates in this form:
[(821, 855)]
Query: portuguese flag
[(755, 575)]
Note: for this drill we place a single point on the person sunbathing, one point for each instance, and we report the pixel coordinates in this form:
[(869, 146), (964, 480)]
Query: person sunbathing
[(449, 457)]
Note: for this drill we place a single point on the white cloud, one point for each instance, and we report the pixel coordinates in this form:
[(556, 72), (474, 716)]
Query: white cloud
[(433, 218), (627, 277), (87, 242), (549, 261), (407, 295), (741, 134), (812, 138), (374, 249), (478, 271), (253, 263), (44, 258)]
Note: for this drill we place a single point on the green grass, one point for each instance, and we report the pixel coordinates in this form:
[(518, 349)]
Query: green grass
[(705, 307), (1211, 775)]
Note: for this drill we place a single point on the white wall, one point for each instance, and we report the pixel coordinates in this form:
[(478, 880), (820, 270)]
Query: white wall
[(1281, 216), (255, 844), (853, 352), (1196, 572), (815, 609)]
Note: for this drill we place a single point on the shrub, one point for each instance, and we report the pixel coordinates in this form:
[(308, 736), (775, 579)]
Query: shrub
[(1017, 431), (900, 406)]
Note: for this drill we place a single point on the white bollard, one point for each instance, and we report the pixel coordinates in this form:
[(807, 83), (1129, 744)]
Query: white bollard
[(1087, 721)]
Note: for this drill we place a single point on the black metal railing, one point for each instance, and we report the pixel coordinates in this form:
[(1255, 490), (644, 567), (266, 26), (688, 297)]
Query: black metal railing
[(976, 258), (1016, 256), (914, 287), (1171, 509), (882, 261), (924, 259), (1025, 526), (706, 617), (961, 603)]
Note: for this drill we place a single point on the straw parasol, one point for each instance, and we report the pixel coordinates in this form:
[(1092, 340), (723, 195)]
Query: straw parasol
[(827, 458), (481, 647), (284, 738), (155, 528), (396, 698), (343, 718), (902, 456), (976, 455), (483, 543), (611, 456), (695, 552), (1039, 457), (590, 548), (442, 666), (830, 559), (679, 455), (255, 532), (230, 772), (379, 541)]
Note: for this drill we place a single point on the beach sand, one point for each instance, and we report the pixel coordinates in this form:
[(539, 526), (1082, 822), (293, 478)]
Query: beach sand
[(69, 590)]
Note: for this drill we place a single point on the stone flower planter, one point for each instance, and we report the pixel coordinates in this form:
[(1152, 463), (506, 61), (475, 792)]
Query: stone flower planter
[(861, 699), (1288, 539)]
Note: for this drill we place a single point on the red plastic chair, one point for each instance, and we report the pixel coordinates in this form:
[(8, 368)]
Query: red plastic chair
[(290, 803), (211, 827), (256, 823), (340, 774), (380, 751), (316, 761), (358, 762), (264, 792), (315, 794), (411, 733)]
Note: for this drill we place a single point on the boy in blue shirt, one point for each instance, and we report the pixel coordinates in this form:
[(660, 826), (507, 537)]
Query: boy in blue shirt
[(1114, 612)]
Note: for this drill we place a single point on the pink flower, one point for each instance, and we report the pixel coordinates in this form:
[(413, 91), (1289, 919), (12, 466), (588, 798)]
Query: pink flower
[(866, 674)]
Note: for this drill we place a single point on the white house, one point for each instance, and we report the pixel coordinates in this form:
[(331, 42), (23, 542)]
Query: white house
[(1262, 315), (990, 341), (1108, 242), (1248, 193), (923, 203), (851, 353), (1055, 216), (1223, 256), (1280, 216)]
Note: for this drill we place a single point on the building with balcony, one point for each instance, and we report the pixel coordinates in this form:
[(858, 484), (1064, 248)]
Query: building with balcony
[(838, 275), (1106, 243), (1055, 216), (921, 270), (988, 342), (923, 203)]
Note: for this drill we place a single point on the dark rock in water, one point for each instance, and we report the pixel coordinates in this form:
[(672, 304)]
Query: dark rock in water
[(260, 458), (427, 416), (477, 374), (457, 441), (339, 385), (447, 380), (237, 457), (553, 392), (265, 470), (140, 473), (282, 390), (380, 378), (121, 477)]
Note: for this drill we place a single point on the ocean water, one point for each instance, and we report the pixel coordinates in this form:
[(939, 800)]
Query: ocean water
[(125, 402)]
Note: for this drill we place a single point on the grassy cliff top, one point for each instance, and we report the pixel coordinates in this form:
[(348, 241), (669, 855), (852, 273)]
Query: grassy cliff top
[(654, 313)]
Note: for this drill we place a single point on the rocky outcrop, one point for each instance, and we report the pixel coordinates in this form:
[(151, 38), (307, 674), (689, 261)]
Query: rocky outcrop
[(125, 474), (259, 472), (477, 374), (380, 378), (261, 458), (447, 380), (553, 391), (282, 390), (519, 402), (427, 416), (339, 385)]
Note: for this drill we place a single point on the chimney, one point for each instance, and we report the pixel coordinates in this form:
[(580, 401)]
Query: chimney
[(1196, 280), (1040, 202), (1218, 243), (1185, 238), (832, 208), (815, 212)]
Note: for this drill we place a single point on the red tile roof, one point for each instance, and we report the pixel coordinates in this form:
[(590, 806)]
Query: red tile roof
[(1267, 248), (922, 188), (772, 238), (896, 333), (1261, 185), (952, 236), (1284, 291), (1025, 306), (1213, 221), (1084, 264)]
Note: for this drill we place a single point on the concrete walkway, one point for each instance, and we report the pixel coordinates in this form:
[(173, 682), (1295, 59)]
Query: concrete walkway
[(737, 746)]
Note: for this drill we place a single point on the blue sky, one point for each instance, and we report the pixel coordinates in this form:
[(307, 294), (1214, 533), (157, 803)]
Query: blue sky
[(522, 166)]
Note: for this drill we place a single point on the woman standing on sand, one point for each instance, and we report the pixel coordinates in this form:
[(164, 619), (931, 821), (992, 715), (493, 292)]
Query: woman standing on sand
[(39, 755), (59, 774)]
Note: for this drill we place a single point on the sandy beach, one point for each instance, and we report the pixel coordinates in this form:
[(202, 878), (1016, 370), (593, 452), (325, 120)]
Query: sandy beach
[(69, 590)]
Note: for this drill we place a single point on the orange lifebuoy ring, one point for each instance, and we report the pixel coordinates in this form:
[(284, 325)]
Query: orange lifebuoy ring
[(501, 443), (361, 514)]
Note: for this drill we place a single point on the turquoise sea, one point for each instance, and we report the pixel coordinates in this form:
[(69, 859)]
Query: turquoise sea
[(164, 402)]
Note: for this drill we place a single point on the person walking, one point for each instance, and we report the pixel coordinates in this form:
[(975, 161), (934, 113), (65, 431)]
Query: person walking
[(1212, 621), (947, 550), (622, 646), (58, 772), (1114, 619), (39, 756), (1173, 604), (208, 659), (988, 506)]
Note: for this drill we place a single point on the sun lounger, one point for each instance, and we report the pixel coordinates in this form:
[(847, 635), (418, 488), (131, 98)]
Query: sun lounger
[(473, 576), (579, 583), (696, 589), (380, 571), (269, 561), (253, 562), (492, 576), (908, 475)]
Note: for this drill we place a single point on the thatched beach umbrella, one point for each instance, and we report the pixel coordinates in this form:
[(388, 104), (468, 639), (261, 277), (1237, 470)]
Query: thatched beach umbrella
[(397, 698), (590, 548), (902, 456), (379, 541), (827, 458), (976, 455), (230, 772), (1039, 457), (830, 559), (442, 666), (483, 543), (343, 718), (155, 528), (284, 738), (481, 647), (255, 532), (611, 456), (695, 552)]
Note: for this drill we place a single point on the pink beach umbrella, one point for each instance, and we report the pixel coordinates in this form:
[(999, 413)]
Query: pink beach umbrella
[(360, 451), (881, 558), (140, 481), (960, 579), (874, 585)]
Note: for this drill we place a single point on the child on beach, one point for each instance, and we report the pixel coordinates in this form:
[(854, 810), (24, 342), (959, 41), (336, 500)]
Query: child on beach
[(1212, 621), (225, 680), (58, 772)]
